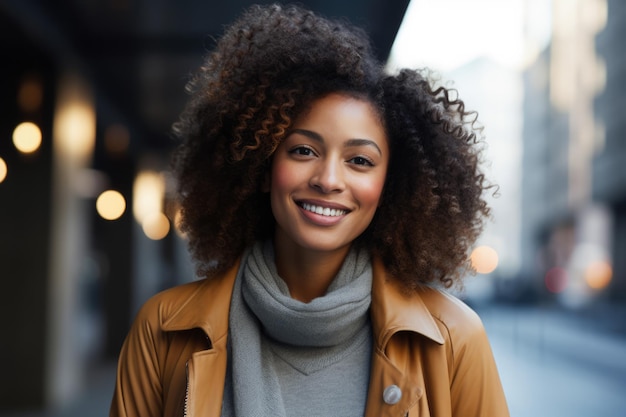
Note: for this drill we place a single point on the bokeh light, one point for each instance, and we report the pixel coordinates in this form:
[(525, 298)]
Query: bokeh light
[(3, 170), (156, 226), (75, 120), (484, 259), (598, 274), (148, 192), (111, 205), (556, 280), (27, 137)]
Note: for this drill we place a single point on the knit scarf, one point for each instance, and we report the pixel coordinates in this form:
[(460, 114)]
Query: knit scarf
[(263, 313)]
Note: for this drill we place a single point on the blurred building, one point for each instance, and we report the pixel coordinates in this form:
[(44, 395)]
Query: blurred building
[(73, 271), (609, 165), (495, 91), (573, 190)]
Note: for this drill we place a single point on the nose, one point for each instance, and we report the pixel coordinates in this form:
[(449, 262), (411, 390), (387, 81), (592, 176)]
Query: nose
[(328, 176)]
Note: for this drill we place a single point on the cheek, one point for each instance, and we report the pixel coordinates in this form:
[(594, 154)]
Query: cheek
[(281, 178), (370, 192)]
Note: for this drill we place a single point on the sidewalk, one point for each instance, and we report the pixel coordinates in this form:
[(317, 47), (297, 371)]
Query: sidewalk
[(555, 363), (589, 340)]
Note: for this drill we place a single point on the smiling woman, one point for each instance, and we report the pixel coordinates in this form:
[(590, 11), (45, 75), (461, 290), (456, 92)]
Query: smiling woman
[(327, 179), (327, 205)]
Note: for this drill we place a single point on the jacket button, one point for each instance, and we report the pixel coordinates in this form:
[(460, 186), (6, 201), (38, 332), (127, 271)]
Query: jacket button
[(392, 394)]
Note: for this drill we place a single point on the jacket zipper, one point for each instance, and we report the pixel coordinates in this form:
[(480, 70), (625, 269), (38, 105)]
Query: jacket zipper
[(187, 371), (186, 408)]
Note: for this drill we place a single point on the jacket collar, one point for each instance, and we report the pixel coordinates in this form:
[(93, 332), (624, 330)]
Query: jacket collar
[(393, 310), (206, 308)]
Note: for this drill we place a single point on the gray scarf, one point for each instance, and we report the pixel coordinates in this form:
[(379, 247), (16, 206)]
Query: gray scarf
[(265, 319)]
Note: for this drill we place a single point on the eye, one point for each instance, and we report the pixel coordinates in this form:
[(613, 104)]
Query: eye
[(360, 160), (302, 151)]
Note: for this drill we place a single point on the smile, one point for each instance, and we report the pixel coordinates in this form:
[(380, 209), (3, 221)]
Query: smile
[(324, 211)]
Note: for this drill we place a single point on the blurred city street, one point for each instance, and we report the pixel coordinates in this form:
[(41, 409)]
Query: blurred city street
[(550, 363), (553, 365)]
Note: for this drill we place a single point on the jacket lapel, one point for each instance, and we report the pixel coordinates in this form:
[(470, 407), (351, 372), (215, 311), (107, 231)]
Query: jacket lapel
[(205, 390), (395, 311), (207, 309)]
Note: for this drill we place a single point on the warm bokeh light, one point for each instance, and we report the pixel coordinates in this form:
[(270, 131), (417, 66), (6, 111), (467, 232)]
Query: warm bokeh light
[(484, 259), (30, 94), (556, 280), (3, 170), (148, 192), (75, 120), (598, 275), (27, 137), (156, 226), (111, 205), (116, 139)]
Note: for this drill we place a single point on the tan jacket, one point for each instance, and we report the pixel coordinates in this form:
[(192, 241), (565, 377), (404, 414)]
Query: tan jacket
[(429, 345)]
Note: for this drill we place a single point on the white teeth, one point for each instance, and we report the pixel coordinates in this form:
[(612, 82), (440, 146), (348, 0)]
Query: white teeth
[(324, 211)]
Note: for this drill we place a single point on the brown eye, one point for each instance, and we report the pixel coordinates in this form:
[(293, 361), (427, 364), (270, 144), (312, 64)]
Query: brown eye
[(302, 151), (359, 160)]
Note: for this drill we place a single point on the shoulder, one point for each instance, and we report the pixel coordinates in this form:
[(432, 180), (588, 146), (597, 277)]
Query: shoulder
[(165, 304), (200, 304), (457, 322), (475, 387)]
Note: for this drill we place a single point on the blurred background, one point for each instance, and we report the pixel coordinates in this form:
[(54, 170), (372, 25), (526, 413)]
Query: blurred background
[(88, 93)]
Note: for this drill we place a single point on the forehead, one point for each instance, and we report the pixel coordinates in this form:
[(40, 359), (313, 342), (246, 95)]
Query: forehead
[(340, 97), (342, 108)]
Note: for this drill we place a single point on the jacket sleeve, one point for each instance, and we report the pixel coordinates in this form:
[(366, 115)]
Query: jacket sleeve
[(138, 384), (476, 390)]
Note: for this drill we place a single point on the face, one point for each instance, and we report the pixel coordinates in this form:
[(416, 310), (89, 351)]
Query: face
[(328, 174)]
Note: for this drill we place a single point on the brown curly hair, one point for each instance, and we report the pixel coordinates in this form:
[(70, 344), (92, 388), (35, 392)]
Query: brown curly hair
[(266, 69)]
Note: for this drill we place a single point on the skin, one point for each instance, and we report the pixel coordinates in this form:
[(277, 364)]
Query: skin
[(334, 158)]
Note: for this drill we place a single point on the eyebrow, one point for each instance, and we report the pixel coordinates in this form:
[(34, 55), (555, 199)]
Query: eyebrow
[(350, 143)]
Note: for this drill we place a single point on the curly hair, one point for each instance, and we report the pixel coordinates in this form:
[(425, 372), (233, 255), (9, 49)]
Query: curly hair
[(268, 68)]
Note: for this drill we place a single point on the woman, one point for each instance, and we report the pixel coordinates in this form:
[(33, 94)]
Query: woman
[(325, 204)]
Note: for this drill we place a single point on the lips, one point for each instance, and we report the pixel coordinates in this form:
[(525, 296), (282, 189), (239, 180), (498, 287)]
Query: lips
[(322, 210)]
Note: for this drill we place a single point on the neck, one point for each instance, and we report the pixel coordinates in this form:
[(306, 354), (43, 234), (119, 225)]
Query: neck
[(308, 274)]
